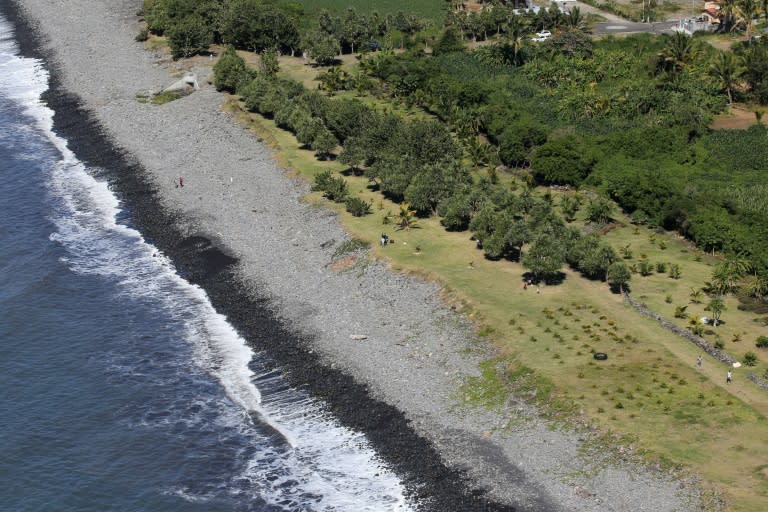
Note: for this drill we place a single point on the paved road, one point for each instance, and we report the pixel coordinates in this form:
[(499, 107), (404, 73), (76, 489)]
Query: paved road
[(617, 25), (630, 27)]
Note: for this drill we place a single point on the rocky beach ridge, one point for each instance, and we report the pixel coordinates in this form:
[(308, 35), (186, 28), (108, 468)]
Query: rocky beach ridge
[(238, 228)]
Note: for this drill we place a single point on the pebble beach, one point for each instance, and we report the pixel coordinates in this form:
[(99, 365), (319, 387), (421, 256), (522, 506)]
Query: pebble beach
[(381, 347)]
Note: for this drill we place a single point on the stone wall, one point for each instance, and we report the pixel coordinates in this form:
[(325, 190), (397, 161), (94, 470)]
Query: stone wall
[(683, 333)]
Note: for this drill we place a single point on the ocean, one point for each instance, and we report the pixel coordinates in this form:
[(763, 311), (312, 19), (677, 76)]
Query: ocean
[(121, 386)]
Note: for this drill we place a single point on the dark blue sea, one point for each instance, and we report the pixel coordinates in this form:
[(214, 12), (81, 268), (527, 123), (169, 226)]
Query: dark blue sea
[(121, 388)]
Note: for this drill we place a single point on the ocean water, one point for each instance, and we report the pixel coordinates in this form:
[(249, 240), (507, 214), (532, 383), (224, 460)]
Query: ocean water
[(121, 388)]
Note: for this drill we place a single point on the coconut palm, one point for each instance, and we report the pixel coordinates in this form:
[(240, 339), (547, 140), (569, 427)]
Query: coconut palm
[(406, 218), (756, 286), (680, 51), (574, 20), (726, 70), (728, 273), (745, 11), (696, 295), (728, 15), (515, 39)]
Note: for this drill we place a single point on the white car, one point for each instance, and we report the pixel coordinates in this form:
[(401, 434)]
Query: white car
[(542, 36)]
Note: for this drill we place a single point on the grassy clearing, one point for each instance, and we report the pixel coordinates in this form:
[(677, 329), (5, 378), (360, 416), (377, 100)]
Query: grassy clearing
[(648, 389)]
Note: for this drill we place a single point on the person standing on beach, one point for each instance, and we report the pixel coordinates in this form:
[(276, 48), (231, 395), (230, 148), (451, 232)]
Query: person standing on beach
[(181, 181)]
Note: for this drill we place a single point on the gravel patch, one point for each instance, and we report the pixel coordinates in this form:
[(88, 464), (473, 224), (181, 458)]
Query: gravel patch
[(417, 350)]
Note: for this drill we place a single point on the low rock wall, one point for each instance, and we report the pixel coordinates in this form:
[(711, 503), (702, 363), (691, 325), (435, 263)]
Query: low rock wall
[(683, 333)]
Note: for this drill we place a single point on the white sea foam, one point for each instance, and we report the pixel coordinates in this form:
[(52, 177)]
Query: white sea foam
[(320, 465)]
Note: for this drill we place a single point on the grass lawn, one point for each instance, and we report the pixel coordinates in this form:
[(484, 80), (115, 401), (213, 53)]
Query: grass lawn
[(649, 390)]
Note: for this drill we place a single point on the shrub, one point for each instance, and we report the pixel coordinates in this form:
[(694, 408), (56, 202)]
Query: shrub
[(674, 271), (357, 207), (750, 359), (762, 342), (335, 189), (645, 268), (142, 36), (661, 267)]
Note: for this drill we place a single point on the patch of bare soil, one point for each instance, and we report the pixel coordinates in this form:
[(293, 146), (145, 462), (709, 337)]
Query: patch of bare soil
[(343, 263), (738, 118)]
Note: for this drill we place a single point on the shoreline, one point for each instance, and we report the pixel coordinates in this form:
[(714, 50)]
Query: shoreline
[(204, 264), (269, 271)]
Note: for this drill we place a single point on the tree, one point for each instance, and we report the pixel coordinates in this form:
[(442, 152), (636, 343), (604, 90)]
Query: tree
[(680, 51), (726, 70), (756, 286), (574, 20), (269, 64), (448, 42), (324, 142), (188, 37), (434, 183), (563, 161), (728, 273), (618, 275), (716, 306), (406, 218), (746, 10), (229, 71), (545, 257), (256, 26), (321, 47), (571, 43), (597, 261)]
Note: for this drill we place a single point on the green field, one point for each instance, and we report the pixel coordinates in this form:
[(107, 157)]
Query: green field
[(431, 9)]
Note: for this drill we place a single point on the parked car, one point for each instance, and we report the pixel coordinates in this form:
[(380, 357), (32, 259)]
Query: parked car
[(542, 36)]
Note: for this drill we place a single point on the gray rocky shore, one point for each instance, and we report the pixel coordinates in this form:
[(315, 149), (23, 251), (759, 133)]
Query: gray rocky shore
[(416, 351)]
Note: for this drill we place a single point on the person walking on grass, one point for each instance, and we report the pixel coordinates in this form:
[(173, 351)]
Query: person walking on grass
[(699, 361), (729, 377)]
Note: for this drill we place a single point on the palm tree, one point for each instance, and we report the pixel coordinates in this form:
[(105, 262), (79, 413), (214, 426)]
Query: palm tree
[(679, 52), (406, 218), (728, 273), (726, 69), (515, 39), (728, 14), (574, 20), (756, 286), (696, 296), (745, 11)]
